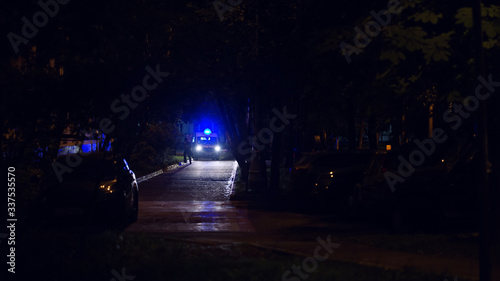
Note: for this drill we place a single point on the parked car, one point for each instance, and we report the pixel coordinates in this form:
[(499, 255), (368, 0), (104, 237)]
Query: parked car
[(439, 191), (333, 179), (98, 187)]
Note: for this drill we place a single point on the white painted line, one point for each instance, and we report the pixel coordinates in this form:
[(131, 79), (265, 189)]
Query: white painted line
[(147, 177), (233, 177)]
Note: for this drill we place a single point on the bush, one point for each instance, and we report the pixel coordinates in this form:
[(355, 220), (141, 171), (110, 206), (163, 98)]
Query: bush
[(144, 159), (154, 150)]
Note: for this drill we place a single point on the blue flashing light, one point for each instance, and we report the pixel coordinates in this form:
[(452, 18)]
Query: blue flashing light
[(207, 131), (86, 148)]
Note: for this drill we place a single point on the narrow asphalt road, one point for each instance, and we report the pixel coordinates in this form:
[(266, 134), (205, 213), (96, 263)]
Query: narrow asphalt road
[(192, 199)]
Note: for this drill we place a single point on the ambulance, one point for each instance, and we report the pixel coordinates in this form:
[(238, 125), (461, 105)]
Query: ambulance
[(206, 145)]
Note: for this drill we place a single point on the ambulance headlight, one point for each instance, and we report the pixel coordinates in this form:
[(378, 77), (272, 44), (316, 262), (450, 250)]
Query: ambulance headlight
[(217, 148), (198, 148)]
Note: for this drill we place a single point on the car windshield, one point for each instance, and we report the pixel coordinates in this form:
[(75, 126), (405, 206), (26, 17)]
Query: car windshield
[(92, 171), (207, 140), (341, 160)]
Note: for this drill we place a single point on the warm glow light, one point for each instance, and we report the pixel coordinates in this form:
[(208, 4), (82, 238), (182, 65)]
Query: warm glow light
[(107, 186)]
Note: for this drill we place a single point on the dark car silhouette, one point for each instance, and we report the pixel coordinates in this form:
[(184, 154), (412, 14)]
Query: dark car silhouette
[(98, 187), (333, 179)]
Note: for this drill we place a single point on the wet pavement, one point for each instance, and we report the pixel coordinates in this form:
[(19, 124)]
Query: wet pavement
[(163, 217), (194, 198)]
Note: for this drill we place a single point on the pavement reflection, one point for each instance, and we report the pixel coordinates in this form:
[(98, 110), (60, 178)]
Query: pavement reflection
[(191, 216)]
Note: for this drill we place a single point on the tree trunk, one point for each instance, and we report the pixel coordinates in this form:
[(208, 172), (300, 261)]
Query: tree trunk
[(361, 133), (396, 132), (234, 141), (403, 130), (275, 162), (352, 131), (431, 120), (485, 272), (373, 132), (257, 175)]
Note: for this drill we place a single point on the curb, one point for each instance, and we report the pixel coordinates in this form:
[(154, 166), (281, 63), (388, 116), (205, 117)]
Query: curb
[(149, 176), (233, 178), (159, 172)]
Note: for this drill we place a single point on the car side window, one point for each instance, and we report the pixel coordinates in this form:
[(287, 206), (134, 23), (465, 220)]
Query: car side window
[(122, 168)]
